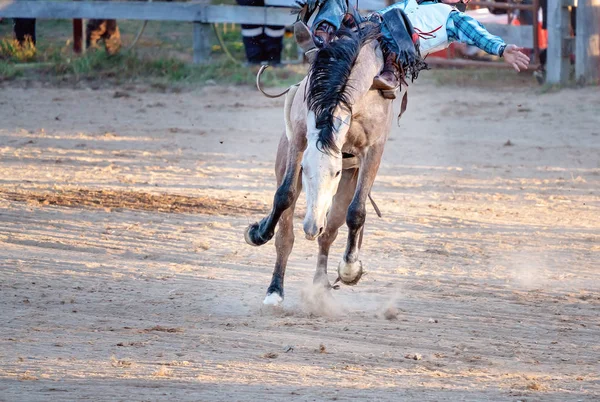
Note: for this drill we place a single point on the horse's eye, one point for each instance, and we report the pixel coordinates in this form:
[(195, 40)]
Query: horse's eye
[(338, 173)]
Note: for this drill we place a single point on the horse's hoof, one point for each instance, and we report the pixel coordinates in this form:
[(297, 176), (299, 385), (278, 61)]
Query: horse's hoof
[(324, 282), (273, 299), (247, 236), (350, 273), (253, 238)]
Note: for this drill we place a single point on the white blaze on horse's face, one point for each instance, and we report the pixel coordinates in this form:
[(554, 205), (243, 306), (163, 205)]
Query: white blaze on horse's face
[(321, 174)]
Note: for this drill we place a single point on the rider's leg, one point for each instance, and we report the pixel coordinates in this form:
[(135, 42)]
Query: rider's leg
[(401, 54), (328, 20), (391, 75)]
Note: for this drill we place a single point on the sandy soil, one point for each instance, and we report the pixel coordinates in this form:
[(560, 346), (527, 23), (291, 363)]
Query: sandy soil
[(124, 274)]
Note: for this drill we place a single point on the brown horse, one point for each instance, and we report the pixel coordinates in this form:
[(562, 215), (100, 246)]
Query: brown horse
[(332, 114)]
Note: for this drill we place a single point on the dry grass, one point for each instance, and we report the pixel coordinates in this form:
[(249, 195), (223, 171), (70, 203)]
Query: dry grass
[(162, 56), (10, 49)]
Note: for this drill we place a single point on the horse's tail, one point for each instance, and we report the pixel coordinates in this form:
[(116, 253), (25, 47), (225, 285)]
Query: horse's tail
[(263, 68), (287, 110)]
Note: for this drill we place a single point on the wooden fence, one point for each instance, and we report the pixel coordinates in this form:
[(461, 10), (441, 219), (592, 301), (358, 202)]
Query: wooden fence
[(585, 45), (200, 15)]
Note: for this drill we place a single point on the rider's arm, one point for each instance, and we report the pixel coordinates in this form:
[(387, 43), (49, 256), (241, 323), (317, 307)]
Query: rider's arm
[(463, 28)]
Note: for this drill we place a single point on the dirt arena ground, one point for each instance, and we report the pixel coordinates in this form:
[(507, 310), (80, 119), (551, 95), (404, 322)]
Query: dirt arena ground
[(124, 274)]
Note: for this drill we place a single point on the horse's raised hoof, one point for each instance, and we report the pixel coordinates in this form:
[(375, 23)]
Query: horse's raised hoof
[(252, 238), (350, 273), (273, 299), (247, 234)]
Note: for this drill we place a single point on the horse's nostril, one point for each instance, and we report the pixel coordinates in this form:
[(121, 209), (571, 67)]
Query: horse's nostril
[(320, 230)]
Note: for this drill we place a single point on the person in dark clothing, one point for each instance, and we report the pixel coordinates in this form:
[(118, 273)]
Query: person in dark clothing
[(106, 30), (24, 28), (544, 7), (96, 29), (263, 43)]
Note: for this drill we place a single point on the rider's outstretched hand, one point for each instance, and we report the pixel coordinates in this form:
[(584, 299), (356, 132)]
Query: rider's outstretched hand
[(517, 59)]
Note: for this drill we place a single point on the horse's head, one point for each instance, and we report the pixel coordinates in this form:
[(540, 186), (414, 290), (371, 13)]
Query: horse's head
[(340, 76), (322, 171)]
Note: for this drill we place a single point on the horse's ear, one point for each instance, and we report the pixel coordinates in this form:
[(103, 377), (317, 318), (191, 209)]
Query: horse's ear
[(304, 39), (302, 35)]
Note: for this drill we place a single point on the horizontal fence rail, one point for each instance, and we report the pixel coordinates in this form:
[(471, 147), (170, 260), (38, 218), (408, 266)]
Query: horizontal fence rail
[(155, 11)]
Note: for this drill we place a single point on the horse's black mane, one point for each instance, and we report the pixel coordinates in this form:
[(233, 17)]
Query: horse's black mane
[(328, 81)]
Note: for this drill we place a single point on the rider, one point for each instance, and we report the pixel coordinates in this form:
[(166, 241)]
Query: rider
[(436, 24)]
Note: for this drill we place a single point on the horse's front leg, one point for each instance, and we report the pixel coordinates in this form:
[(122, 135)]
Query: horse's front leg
[(335, 219), (284, 243), (350, 268), (289, 158)]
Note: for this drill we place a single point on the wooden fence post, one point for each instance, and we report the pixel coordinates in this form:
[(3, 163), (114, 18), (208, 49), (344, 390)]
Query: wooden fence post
[(558, 65), (203, 34), (77, 34), (587, 42)]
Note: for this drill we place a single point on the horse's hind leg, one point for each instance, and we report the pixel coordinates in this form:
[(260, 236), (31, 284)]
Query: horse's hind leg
[(284, 242), (288, 173), (335, 219)]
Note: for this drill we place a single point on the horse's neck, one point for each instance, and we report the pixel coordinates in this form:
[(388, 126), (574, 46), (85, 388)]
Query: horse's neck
[(367, 103), (368, 64)]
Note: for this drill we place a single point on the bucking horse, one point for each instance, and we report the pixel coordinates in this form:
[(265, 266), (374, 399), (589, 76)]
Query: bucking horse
[(336, 127)]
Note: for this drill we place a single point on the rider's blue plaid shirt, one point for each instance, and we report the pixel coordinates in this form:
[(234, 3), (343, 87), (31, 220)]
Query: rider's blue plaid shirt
[(463, 28)]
